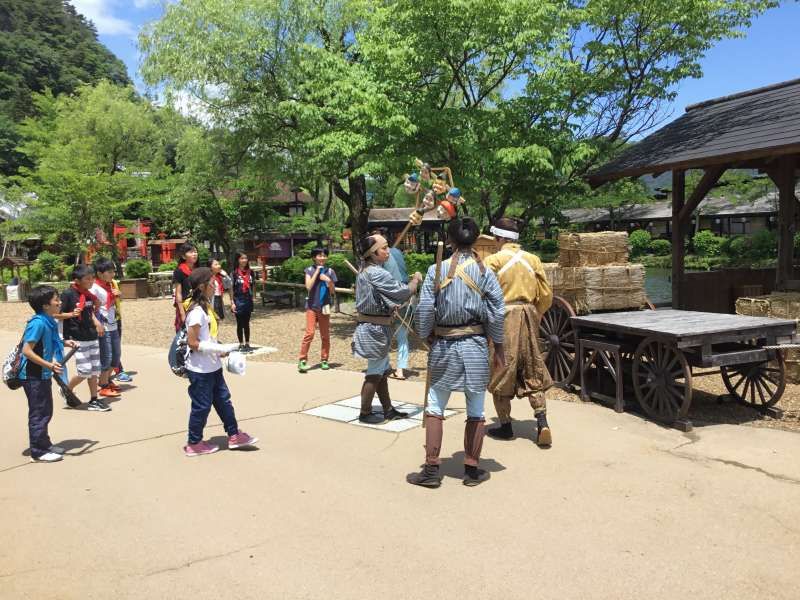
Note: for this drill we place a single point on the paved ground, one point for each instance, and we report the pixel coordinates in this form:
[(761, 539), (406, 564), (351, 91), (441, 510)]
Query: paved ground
[(618, 508)]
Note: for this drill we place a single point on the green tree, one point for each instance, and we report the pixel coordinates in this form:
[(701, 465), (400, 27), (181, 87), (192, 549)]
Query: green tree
[(96, 158), (520, 97), (45, 44)]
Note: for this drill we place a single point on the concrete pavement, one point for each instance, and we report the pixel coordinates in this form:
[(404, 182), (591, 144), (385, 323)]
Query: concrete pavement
[(618, 508)]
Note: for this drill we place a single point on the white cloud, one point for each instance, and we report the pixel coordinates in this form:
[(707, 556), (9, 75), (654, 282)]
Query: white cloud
[(99, 12)]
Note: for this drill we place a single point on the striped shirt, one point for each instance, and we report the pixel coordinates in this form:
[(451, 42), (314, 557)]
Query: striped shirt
[(377, 293), (461, 364)]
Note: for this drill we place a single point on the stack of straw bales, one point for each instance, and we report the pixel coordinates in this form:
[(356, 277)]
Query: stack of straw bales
[(593, 272), (777, 305)]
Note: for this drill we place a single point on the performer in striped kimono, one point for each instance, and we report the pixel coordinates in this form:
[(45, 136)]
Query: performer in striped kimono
[(527, 295), (378, 294), (460, 311)]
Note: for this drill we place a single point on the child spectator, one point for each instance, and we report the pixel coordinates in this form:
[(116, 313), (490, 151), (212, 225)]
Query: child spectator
[(120, 374), (110, 349), (320, 281), (244, 283), (187, 259), (42, 354), (78, 305), (207, 386), (218, 283)]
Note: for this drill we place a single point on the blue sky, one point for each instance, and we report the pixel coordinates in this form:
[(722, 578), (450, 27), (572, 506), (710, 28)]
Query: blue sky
[(768, 54)]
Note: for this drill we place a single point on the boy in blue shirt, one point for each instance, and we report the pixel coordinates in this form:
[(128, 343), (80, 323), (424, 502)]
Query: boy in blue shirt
[(42, 353)]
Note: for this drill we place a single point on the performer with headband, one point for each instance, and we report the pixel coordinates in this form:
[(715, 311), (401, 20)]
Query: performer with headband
[(460, 310), (527, 296), (378, 294)]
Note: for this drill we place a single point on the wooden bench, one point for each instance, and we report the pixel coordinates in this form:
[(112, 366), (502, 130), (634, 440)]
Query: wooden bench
[(278, 297)]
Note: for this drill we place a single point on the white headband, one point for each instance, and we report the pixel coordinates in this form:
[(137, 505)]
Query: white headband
[(504, 233)]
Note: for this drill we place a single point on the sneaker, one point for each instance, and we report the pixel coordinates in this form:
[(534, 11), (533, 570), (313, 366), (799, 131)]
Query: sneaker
[(248, 347), (48, 458), (302, 366), (123, 377), (107, 392), (241, 440), (324, 365), (241, 348), (98, 405), (57, 450), (199, 448), (113, 386)]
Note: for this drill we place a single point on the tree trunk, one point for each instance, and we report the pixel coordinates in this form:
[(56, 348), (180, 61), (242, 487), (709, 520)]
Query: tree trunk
[(356, 201)]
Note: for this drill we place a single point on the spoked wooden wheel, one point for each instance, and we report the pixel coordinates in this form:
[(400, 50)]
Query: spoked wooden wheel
[(557, 341), (759, 385), (662, 380)]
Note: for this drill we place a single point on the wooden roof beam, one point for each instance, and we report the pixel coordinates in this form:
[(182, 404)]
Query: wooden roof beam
[(710, 178)]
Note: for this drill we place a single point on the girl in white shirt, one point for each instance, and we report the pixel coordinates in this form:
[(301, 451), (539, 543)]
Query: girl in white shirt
[(207, 386)]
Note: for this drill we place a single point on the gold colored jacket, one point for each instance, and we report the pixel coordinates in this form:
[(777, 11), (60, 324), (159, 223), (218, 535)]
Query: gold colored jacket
[(521, 276)]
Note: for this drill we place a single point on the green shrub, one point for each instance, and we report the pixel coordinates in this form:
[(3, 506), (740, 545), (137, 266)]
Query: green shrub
[(418, 262), (50, 264), (292, 270), (68, 272), (548, 246), (304, 251), (343, 273), (36, 274), (168, 266), (764, 245), (639, 241), (202, 255), (759, 247), (797, 243), (137, 268), (661, 247), (705, 243)]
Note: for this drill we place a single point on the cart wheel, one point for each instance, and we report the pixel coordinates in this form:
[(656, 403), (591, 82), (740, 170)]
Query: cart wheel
[(662, 380), (557, 341), (759, 385)]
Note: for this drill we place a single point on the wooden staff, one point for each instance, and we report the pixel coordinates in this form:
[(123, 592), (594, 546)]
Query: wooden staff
[(351, 267), (437, 274)]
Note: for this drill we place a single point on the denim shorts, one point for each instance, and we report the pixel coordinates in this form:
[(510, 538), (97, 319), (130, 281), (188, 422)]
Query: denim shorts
[(110, 350)]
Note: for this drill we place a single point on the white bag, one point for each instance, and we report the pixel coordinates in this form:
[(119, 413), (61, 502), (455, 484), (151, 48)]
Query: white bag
[(237, 363)]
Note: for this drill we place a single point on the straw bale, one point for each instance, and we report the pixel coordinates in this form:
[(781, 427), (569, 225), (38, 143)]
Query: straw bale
[(753, 307), (593, 249), (778, 305), (601, 288)]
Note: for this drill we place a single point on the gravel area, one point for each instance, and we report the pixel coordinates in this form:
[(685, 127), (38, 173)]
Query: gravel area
[(149, 323)]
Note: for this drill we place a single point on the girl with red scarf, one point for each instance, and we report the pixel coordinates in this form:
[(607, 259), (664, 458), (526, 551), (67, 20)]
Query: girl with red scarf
[(187, 259), (244, 282), (218, 277)]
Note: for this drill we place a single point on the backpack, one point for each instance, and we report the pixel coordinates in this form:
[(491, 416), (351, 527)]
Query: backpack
[(179, 352), (11, 367)]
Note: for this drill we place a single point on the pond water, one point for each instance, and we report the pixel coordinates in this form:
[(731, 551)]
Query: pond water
[(658, 285)]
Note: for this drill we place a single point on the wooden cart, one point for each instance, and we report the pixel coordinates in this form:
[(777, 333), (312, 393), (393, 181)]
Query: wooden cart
[(657, 351)]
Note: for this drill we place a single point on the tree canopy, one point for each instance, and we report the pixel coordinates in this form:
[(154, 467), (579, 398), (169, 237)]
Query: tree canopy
[(45, 44), (520, 97)]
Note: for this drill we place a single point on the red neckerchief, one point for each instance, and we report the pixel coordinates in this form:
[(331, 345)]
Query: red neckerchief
[(109, 292), (245, 275), (218, 279), (185, 269), (84, 295)]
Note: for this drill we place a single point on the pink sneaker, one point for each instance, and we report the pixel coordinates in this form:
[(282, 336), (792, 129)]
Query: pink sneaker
[(200, 448), (241, 440)]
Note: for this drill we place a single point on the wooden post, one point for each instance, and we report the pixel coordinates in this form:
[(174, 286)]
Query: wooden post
[(678, 231), (784, 178)]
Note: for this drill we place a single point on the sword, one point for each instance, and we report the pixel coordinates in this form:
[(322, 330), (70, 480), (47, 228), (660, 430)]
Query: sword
[(437, 275)]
